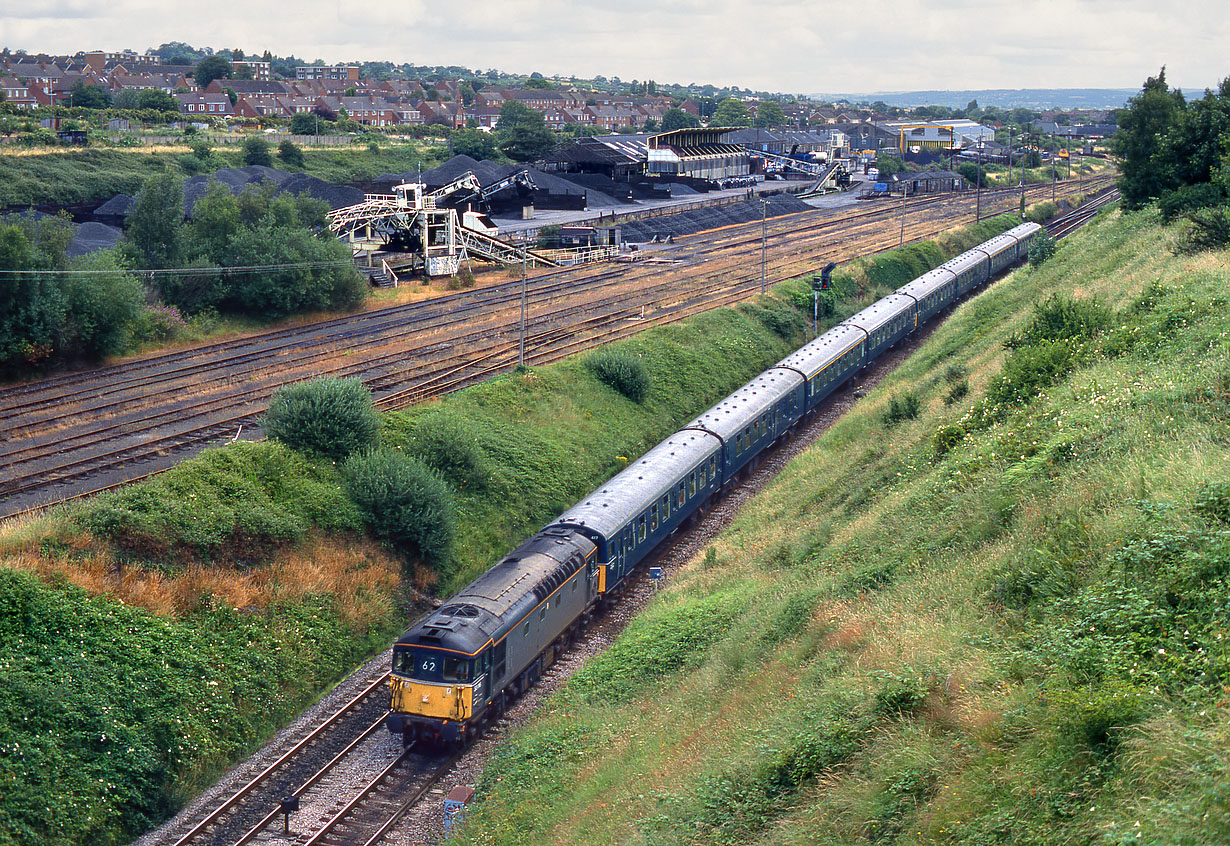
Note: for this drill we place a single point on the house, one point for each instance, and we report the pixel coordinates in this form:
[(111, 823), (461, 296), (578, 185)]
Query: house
[(342, 72), (260, 105), (204, 103), (17, 93)]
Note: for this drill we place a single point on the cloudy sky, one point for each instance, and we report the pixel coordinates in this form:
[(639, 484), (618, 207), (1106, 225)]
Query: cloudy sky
[(779, 45)]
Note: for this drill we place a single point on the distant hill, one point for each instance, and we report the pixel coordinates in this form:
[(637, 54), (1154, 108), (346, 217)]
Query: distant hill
[(1004, 98)]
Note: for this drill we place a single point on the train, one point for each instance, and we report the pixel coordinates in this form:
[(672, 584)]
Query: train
[(462, 664)]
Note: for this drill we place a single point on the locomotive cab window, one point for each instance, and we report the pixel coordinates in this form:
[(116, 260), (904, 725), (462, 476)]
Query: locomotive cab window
[(455, 670)]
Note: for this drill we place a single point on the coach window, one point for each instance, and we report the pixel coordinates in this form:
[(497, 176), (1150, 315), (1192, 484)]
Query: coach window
[(640, 528), (525, 630), (681, 495), (653, 518), (692, 482), (665, 505)]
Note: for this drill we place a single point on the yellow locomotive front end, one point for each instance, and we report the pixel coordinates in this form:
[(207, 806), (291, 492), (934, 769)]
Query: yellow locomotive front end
[(432, 694)]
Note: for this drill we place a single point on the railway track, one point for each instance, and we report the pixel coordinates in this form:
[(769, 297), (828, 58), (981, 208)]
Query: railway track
[(77, 434), (242, 813)]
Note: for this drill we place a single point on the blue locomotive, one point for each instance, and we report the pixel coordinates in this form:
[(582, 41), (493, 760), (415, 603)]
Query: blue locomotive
[(462, 664)]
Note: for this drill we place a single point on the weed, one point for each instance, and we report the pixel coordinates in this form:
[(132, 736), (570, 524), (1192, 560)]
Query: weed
[(902, 408), (621, 370)]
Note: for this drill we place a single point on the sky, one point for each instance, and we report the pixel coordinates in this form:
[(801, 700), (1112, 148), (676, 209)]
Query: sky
[(788, 46)]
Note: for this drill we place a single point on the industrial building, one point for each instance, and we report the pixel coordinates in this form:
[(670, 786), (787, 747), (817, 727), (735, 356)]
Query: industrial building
[(682, 155)]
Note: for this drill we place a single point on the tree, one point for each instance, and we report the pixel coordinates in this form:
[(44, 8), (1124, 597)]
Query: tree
[(770, 114), (211, 68), (304, 124), (678, 119), (474, 143), (521, 133), (151, 98), (731, 112), (332, 418), (1142, 125), (89, 96), (100, 308), (31, 304), (256, 152), (155, 227), (291, 154)]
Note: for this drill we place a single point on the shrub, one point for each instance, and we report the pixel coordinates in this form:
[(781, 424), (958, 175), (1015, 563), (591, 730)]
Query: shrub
[(291, 154), (328, 417), (903, 408), (1213, 501), (158, 323), (1041, 248), (1189, 198), (404, 503), (778, 318), (621, 370), (1208, 229), (256, 152), (1059, 318), (443, 443), (947, 438)]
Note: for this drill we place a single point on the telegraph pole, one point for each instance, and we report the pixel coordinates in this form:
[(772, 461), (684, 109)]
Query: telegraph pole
[(901, 242), (764, 223), (525, 246), (1052, 167), (978, 205)]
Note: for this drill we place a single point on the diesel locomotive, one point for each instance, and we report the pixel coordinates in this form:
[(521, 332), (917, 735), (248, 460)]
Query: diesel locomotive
[(462, 664)]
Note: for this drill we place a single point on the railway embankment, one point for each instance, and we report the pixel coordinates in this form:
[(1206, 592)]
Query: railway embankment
[(154, 635), (987, 605)]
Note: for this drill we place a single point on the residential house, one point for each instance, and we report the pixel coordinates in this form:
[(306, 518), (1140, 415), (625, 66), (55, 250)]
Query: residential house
[(205, 103)]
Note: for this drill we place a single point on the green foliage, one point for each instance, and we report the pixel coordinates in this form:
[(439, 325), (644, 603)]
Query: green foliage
[(901, 408), (659, 643), (770, 113), (780, 318), (110, 716), (101, 308), (888, 165), (290, 154), (211, 68), (154, 237), (521, 132), (307, 268), (1060, 318), (304, 124), (1140, 141), (678, 119), (1189, 198), (53, 309), (1041, 248), (403, 503), (256, 152), (442, 441), (1213, 502), (731, 112), (329, 417), (972, 173), (1208, 229), (236, 503), (475, 143), (621, 370)]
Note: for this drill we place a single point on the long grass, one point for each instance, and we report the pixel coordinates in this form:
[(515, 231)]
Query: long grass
[(1021, 638)]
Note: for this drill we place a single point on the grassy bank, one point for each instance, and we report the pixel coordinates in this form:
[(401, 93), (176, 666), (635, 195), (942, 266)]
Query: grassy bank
[(96, 174), (153, 635), (1000, 621)]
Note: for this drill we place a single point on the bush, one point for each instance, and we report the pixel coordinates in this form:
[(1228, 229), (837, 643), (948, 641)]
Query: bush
[(256, 152), (328, 417), (621, 370), (291, 154), (403, 502), (899, 409), (1041, 248), (1060, 318), (1213, 501), (1190, 198), (443, 443), (1208, 229)]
